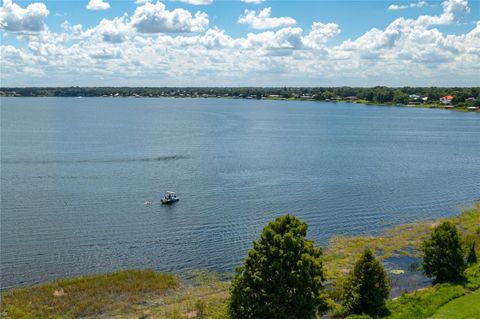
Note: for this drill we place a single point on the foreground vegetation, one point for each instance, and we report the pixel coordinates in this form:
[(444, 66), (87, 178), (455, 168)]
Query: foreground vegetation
[(124, 294), (147, 294), (282, 276), (424, 303), (402, 240), (466, 307), (414, 96), (88, 296)]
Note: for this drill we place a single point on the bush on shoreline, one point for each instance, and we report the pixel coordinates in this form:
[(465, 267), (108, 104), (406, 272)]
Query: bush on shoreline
[(443, 254), (367, 287)]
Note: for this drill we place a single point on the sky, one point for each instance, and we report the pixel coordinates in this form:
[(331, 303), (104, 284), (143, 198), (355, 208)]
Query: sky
[(240, 43)]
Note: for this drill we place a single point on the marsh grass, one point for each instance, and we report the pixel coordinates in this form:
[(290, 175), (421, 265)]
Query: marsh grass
[(402, 240), (87, 296), (203, 296)]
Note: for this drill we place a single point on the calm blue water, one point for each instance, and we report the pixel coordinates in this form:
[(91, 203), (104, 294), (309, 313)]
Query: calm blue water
[(75, 174)]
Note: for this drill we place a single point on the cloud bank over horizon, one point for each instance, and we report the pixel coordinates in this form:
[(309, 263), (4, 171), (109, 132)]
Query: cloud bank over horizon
[(161, 45)]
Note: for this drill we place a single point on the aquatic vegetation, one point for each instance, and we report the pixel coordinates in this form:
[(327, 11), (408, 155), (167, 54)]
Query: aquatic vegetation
[(402, 240)]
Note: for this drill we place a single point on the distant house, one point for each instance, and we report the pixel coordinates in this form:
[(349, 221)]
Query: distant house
[(306, 96), (351, 98), (414, 97), (447, 99)]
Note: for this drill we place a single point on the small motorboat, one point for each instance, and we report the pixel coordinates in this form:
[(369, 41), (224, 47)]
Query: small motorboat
[(169, 197)]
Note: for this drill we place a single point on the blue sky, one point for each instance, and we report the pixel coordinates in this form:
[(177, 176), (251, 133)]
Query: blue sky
[(234, 43)]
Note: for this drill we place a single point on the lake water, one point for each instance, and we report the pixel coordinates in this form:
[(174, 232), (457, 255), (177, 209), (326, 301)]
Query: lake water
[(75, 174)]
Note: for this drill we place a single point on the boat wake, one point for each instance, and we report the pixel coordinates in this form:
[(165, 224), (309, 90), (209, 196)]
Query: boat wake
[(97, 161)]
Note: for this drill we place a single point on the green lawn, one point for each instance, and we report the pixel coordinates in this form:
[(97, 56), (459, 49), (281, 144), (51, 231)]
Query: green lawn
[(467, 307)]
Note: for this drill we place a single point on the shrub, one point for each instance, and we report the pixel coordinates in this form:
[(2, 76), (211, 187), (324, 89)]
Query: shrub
[(366, 288), (472, 255), (359, 317), (443, 254), (200, 308), (281, 276)]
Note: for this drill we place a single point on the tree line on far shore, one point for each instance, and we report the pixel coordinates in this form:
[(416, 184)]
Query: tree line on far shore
[(283, 276), (469, 96)]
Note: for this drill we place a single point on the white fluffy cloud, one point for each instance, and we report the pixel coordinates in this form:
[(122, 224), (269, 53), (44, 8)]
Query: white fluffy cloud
[(14, 18), (98, 5), (419, 4), (155, 46), (453, 11), (113, 31), (320, 34), (263, 20), (253, 1), (414, 41), (155, 18)]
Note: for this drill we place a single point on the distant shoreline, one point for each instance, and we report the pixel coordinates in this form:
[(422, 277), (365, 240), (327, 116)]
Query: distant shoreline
[(364, 102), (459, 98)]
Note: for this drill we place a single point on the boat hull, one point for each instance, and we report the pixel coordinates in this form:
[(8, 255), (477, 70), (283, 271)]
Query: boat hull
[(169, 201)]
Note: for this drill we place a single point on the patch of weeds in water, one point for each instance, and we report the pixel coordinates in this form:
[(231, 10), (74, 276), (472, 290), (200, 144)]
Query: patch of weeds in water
[(403, 240)]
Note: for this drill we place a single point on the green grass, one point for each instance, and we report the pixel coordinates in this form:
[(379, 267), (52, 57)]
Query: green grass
[(127, 294), (204, 297), (426, 302), (87, 296), (423, 303), (467, 307)]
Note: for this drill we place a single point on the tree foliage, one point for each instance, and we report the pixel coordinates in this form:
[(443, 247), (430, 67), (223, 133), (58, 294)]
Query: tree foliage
[(281, 276), (465, 96), (472, 255), (366, 288), (443, 254)]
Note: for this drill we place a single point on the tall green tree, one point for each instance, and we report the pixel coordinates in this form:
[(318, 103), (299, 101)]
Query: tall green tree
[(443, 254), (367, 287), (281, 277)]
